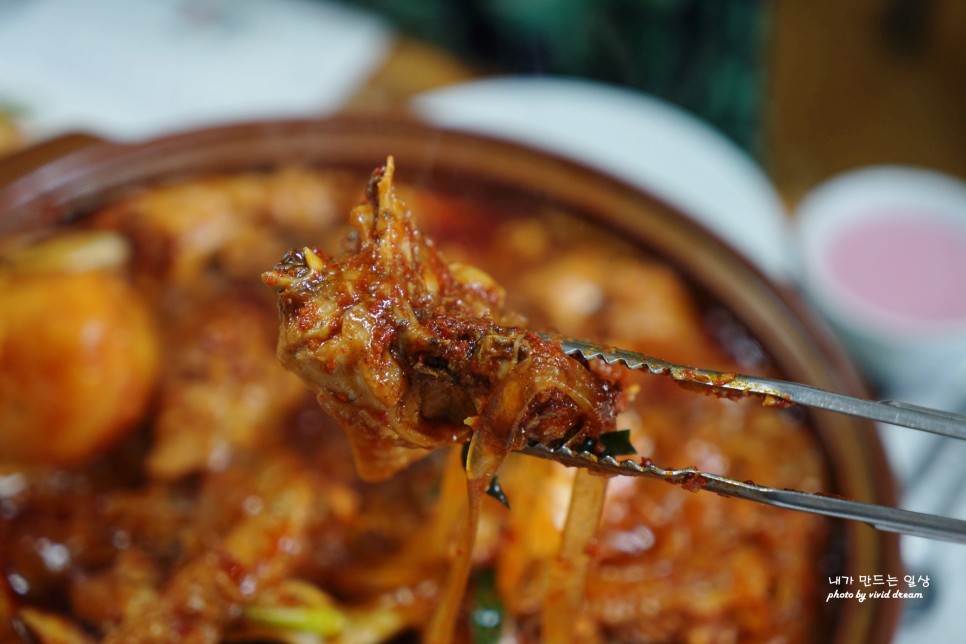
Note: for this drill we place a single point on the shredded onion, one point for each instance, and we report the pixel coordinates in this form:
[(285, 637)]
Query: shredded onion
[(568, 572)]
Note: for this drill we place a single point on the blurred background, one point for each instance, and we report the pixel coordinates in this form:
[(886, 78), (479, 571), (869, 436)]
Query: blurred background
[(809, 89), (737, 111)]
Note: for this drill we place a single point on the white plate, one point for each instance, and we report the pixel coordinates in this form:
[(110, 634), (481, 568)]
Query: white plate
[(636, 138), (136, 69)]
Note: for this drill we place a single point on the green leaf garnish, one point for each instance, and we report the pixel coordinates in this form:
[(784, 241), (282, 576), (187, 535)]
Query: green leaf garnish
[(615, 443), (496, 491)]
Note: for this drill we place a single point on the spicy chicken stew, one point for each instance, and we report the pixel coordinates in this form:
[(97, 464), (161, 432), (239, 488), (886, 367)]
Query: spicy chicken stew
[(228, 506)]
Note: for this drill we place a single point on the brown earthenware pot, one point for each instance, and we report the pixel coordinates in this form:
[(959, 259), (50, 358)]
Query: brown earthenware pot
[(68, 177)]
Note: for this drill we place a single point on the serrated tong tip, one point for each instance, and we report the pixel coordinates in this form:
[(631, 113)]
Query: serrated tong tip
[(778, 392), (773, 392)]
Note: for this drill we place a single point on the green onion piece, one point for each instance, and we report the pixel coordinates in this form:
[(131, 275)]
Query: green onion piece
[(496, 491), (486, 618), (321, 620), (615, 443)]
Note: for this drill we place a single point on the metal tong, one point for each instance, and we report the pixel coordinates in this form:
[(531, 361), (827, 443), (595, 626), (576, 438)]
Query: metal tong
[(777, 392)]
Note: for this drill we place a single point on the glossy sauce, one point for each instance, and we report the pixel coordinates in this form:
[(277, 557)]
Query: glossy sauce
[(233, 494)]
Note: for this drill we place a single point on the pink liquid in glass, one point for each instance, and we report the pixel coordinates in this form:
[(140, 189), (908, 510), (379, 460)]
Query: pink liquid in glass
[(913, 267)]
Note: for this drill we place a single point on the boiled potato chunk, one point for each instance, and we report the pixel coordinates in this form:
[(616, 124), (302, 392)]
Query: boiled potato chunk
[(78, 361)]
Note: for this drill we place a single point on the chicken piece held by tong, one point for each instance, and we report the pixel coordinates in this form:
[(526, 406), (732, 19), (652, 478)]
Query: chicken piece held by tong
[(409, 353)]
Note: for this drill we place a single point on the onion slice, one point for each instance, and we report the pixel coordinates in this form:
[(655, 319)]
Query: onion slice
[(568, 572)]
